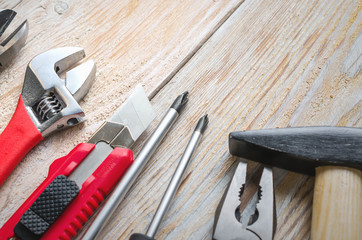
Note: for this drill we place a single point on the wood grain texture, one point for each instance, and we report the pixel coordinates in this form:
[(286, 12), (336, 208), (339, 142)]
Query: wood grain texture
[(337, 203), (132, 42), (270, 64)]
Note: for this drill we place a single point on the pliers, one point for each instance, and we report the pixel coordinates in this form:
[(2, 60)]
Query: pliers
[(11, 45), (260, 223)]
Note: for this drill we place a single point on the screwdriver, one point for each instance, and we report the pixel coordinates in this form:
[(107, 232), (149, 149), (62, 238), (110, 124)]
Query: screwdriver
[(79, 182), (175, 182), (132, 173)]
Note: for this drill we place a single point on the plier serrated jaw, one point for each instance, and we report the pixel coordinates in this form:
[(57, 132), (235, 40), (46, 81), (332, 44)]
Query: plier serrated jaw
[(226, 224)]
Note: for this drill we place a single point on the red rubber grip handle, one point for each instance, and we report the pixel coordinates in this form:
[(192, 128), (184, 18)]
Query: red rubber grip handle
[(61, 166), (19, 136), (93, 192)]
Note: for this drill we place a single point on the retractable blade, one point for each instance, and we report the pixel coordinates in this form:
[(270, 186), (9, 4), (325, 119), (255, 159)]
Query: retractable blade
[(79, 182), (124, 127)]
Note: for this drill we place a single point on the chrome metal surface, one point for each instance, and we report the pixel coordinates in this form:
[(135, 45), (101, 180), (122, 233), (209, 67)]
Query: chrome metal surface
[(174, 184), (11, 45), (132, 173), (265, 225), (128, 122), (80, 79), (115, 134), (180, 101), (48, 106), (227, 226), (42, 78)]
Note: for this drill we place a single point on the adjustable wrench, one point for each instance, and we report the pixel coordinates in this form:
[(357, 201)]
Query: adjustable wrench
[(12, 44), (79, 182), (47, 103)]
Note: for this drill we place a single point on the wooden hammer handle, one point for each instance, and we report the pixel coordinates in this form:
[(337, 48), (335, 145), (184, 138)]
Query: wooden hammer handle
[(337, 204)]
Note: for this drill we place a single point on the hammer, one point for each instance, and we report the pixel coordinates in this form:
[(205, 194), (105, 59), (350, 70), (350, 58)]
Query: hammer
[(332, 154)]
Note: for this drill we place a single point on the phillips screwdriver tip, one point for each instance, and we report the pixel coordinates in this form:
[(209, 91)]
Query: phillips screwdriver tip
[(180, 101), (202, 124)]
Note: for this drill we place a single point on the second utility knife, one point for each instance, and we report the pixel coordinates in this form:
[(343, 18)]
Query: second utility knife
[(78, 183)]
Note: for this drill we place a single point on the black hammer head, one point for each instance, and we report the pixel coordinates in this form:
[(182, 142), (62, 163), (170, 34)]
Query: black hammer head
[(300, 149)]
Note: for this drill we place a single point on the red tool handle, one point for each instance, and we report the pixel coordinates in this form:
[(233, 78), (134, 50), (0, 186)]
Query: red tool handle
[(93, 191), (61, 166), (19, 136)]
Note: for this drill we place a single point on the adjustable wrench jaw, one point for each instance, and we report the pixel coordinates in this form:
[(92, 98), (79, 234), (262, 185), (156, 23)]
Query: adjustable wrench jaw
[(47, 103), (94, 168), (52, 102), (10, 46)]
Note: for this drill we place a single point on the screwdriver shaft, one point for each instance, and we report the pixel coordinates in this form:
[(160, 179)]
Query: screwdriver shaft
[(132, 173), (177, 177)]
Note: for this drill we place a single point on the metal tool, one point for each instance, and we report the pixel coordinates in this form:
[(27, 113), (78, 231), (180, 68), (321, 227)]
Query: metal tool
[(79, 182), (333, 154), (125, 184), (260, 224), (175, 182), (47, 103), (11, 45)]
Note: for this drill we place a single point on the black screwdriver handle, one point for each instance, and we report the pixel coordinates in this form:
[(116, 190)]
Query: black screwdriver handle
[(140, 236)]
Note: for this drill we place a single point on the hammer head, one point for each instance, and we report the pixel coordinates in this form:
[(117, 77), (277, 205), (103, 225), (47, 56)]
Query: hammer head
[(300, 149), (11, 45), (51, 101)]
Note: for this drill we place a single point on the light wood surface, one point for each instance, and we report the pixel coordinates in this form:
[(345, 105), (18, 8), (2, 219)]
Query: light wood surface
[(132, 42), (259, 64), (337, 203)]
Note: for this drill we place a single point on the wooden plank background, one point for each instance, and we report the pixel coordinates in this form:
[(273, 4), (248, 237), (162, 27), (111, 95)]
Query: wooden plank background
[(251, 65)]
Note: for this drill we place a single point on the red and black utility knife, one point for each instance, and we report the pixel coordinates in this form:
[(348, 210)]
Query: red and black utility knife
[(78, 183)]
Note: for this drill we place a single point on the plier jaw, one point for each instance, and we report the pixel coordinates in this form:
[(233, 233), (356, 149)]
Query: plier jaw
[(11, 45), (227, 225)]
